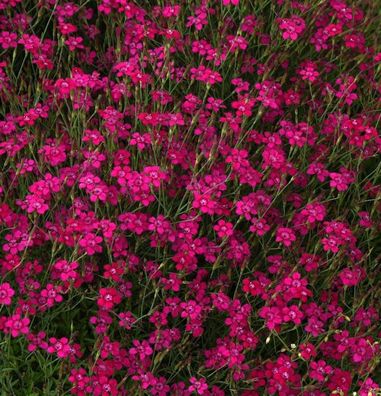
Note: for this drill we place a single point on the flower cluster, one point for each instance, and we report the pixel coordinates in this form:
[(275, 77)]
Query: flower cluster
[(190, 198)]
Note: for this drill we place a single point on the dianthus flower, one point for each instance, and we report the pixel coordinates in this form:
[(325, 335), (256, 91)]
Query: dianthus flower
[(314, 212), (203, 74), (142, 349), (8, 39), (224, 229), (272, 317), (90, 243), (108, 298), (198, 385), (320, 370), (66, 270), (292, 27), (308, 71), (33, 203), (126, 320), (341, 180), (17, 325), (59, 346), (51, 294), (285, 236), (6, 293)]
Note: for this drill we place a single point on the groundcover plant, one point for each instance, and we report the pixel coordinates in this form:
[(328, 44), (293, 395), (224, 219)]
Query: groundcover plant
[(190, 197)]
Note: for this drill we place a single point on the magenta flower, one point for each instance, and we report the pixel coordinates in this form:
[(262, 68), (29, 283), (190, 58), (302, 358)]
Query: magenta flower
[(142, 349), (272, 316), (67, 271), (16, 325), (6, 293), (36, 204), (203, 74), (108, 298), (51, 294), (320, 370), (291, 27), (91, 244), (224, 229), (59, 346), (199, 386), (285, 236)]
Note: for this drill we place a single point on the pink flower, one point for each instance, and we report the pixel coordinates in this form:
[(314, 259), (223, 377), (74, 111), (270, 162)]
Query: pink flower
[(80, 380), (205, 203), (203, 74), (108, 298), (17, 325), (104, 386), (320, 370), (369, 388), (198, 385), (291, 27), (365, 220), (259, 226), (270, 94), (141, 141), (126, 320), (8, 39), (37, 341), (74, 43), (272, 316), (224, 229), (307, 351), (34, 203), (319, 170), (142, 349), (172, 283), (314, 326), (59, 346), (308, 71), (190, 309), (292, 314), (91, 244), (6, 293), (352, 276), (314, 212), (273, 157), (51, 294), (331, 244), (67, 271), (341, 180), (285, 236)]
